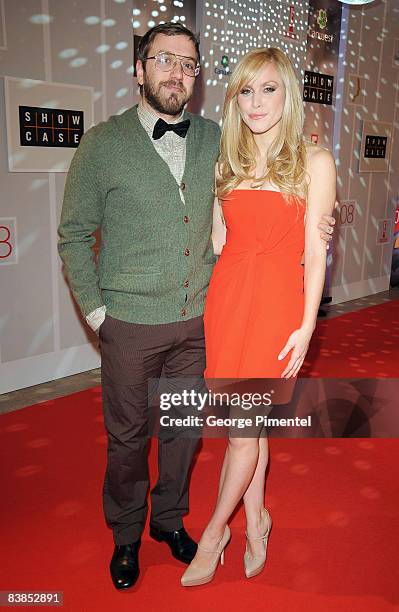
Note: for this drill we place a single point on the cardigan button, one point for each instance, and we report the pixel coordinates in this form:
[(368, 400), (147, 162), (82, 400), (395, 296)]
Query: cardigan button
[(185, 284), (187, 252), (186, 219), (182, 186), (183, 312)]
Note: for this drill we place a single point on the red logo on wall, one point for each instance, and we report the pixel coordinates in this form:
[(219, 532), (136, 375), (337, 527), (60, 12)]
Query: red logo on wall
[(8, 241), (290, 33)]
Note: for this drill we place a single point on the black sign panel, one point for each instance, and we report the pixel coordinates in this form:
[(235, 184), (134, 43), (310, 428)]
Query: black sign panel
[(375, 146), (50, 127), (318, 88)]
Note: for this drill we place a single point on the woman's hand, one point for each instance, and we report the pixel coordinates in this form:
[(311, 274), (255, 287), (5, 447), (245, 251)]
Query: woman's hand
[(298, 342)]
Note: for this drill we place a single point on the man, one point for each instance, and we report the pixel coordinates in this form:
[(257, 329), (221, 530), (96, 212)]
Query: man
[(146, 177)]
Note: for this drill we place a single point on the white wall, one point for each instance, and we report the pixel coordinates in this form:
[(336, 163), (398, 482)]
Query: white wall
[(361, 266), (41, 333), (90, 42)]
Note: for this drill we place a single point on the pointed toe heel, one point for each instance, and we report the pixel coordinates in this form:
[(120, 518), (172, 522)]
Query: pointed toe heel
[(194, 576), (253, 565)]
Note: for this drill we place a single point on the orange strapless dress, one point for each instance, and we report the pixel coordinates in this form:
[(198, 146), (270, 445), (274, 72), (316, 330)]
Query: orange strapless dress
[(255, 298)]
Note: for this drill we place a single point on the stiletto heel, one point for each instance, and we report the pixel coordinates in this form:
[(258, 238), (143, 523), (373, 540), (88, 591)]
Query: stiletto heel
[(194, 576), (254, 565)]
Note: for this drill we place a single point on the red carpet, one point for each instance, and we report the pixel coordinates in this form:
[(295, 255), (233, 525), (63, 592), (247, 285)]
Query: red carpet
[(333, 544), (334, 503), (360, 344)]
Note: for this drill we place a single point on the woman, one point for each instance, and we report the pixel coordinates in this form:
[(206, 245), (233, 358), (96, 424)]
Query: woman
[(262, 304)]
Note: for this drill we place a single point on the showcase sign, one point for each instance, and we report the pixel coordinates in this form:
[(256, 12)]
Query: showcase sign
[(50, 127), (318, 88), (376, 146), (43, 136)]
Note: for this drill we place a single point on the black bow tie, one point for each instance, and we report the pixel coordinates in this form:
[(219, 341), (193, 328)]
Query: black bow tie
[(161, 127)]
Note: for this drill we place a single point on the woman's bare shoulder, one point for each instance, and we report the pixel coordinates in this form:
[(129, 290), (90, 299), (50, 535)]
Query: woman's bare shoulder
[(318, 159), (314, 151)]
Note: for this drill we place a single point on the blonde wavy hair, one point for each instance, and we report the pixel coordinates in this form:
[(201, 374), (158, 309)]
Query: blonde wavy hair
[(286, 160)]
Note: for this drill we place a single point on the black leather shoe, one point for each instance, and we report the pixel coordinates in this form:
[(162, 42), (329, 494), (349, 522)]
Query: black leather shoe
[(183, 548), (124, 565)]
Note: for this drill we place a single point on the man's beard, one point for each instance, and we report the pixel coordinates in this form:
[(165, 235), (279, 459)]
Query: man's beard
[(170, 103)]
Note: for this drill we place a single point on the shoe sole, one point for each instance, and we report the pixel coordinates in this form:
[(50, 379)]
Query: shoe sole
[(198, 582), (126, 588)]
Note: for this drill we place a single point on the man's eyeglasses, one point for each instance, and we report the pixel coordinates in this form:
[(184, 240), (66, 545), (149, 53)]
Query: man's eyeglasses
[(166, 61)]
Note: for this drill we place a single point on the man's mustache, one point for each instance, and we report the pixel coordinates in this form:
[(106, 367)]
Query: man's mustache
[(173, 83)]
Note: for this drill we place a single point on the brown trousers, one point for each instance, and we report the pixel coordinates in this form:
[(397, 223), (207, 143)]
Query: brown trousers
[(131, 355)]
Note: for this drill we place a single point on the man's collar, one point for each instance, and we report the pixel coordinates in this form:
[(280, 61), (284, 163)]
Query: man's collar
[(149, 118)]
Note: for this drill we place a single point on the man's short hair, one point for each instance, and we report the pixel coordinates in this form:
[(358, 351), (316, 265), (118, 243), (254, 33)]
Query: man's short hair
[(170, 29)]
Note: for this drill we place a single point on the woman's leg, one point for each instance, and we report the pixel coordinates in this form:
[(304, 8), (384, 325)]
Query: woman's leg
[(254, 500), (254, 496), (237, 472), (223, 473)]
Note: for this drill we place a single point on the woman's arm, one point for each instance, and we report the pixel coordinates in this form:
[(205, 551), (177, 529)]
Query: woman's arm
[(218, 229), (218, 226), (321, 199)]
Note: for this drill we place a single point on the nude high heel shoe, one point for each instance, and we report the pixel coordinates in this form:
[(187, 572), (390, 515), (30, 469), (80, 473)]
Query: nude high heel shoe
[(194, 576), (254, 565)]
